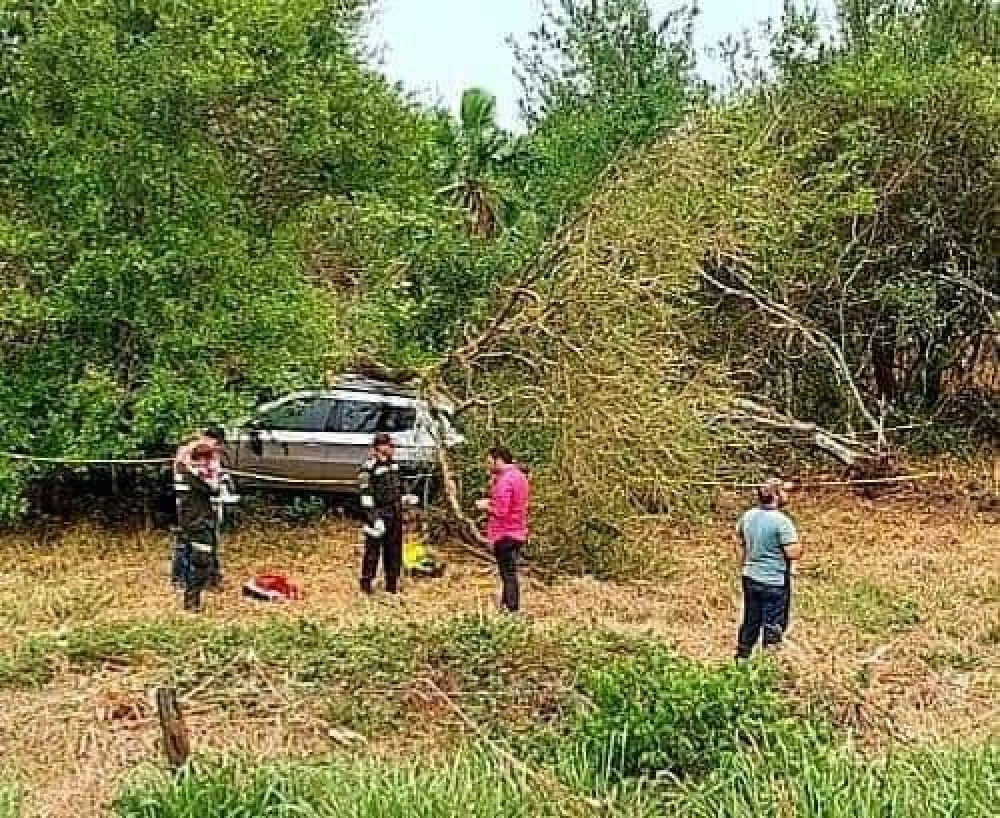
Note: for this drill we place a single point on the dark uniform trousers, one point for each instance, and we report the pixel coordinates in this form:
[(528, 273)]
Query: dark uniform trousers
[(388, 548), (196, 555), (201, 565)]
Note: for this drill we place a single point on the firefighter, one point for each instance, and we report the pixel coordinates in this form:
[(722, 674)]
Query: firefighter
[(197, 485), (208, 466), (381, 487)]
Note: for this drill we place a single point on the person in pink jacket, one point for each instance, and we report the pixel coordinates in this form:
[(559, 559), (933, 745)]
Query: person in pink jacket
[(507, 525)]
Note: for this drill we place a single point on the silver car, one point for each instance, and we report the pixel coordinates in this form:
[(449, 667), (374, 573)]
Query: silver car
[(317, 440)]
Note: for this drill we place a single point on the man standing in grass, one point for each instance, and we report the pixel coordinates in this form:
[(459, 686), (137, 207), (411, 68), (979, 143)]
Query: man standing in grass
[(769, 543), (507, 528)]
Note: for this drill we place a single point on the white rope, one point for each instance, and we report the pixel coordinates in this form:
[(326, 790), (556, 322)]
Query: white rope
[(292, 481), (72, 461)]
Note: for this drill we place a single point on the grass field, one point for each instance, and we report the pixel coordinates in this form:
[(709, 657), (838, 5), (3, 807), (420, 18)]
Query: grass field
[(430, 704)]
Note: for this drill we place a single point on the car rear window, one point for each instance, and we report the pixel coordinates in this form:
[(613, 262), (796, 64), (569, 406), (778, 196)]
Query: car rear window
[(355, 417), (297, 415), (398, 419)]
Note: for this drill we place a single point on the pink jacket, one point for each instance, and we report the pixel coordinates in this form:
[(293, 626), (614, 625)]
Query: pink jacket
[(510, 496)]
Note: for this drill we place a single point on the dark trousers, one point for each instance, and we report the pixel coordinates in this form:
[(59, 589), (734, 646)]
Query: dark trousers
[(180, 569), (200, 567), (765, 612), (388, 548), (507, 553), (181, 564)]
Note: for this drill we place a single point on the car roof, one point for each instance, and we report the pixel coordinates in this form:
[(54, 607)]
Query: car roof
[(360, 383)]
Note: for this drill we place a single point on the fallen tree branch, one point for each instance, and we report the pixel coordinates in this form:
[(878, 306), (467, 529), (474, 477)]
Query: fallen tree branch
[(845, 450), (788, 319), (472, 540)]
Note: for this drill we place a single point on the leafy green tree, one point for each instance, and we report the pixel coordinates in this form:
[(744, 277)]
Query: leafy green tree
[(895, 119), (155, 158), (600, 77)]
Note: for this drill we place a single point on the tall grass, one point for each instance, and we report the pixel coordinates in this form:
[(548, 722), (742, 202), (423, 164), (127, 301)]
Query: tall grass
[(834, 782), (472, 785), (804, 783)]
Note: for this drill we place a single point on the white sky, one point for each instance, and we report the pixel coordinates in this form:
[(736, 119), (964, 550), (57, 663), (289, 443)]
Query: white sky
[(438, 48)]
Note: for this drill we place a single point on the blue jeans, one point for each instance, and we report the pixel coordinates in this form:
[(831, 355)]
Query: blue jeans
[(765, 612)]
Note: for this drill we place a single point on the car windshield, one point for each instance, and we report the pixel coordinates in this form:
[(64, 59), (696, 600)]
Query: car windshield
[(368, 417)]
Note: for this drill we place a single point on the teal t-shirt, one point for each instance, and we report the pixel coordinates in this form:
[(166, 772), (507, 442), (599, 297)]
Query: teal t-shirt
[(766, 532)]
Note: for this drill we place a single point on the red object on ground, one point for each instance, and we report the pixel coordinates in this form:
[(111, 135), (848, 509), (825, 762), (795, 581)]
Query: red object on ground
[(272, 588)]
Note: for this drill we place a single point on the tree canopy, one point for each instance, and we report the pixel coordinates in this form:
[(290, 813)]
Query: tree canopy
[(201, 203)]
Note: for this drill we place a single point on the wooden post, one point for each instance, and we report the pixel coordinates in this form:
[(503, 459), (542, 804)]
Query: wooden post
[(176, 744)]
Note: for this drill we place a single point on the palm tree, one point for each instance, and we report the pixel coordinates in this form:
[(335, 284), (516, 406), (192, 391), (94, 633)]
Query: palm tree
[(479, 151)]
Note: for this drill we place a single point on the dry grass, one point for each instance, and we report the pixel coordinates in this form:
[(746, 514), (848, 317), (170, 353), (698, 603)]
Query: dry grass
[(897, 629)]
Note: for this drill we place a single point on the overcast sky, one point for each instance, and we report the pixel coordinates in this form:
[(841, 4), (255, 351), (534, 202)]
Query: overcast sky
[(438, 48)]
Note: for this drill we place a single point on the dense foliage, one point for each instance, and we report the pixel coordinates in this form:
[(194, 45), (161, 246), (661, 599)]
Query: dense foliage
[(202, 203)]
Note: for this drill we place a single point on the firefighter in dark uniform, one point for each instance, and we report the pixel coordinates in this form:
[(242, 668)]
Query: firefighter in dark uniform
[(381, 487), (197, 518)]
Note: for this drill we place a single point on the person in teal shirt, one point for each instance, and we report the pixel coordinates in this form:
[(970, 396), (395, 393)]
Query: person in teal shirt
[(769, 544)]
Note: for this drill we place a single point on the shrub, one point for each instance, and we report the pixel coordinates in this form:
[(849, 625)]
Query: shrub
[(658, 714)]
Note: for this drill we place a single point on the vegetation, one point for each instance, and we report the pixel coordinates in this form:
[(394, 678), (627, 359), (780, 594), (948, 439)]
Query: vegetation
[(927, 784), (10, 800), (655, 714), (208, 204), (474, 785), (836, 782), (557, 707)]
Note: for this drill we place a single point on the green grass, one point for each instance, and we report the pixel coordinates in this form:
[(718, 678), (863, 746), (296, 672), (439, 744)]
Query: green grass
[(808, 781), (504, 672), (833, 782), (876, 610), (473, 786), (10, 799)]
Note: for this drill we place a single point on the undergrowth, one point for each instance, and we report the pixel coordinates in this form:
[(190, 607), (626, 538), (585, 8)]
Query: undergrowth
[(831, 781), (474, 786), (502, 671), (564, 723), (656, 713), (802, 779)]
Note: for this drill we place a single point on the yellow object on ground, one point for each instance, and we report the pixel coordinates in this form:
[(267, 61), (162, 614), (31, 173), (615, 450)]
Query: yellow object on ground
[(419, 558)]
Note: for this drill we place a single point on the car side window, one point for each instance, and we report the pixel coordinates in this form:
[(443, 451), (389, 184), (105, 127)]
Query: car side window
[(397, 419), (297, 415), (355, 417)]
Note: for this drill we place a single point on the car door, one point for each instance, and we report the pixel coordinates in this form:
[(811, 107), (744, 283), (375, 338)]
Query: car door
[(353, 422), (288, 439)]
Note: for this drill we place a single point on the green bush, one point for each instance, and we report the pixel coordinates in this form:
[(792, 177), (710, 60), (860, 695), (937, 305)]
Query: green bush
[(657, 714)]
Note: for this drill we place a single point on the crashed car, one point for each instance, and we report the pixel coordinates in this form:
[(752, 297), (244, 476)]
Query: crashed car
[(317, 440)]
